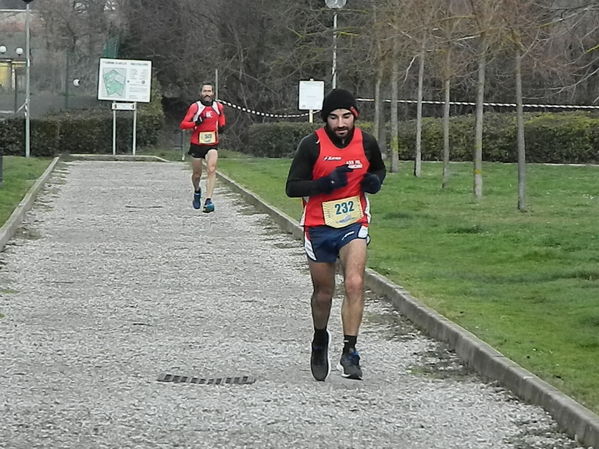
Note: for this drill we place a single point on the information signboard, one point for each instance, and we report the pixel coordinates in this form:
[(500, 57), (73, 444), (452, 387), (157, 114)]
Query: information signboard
[(125, 80)]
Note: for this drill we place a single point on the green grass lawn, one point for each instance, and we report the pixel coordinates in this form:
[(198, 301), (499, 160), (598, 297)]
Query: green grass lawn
[(19, 175), (526, 283)]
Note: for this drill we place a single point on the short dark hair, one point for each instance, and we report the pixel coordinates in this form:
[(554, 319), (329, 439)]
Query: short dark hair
[(207, 83)]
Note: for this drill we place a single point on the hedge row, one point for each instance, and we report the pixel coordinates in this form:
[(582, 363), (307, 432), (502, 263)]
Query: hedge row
[(280, 139), (568, 137), (89, 132), (85, 131)]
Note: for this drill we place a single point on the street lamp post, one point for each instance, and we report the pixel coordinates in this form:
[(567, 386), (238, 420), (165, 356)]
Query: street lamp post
[(27, 83), (335, 4), (19, 52)]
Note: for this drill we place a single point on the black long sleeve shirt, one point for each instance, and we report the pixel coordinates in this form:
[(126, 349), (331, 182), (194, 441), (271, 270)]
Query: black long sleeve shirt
[(299, 180)]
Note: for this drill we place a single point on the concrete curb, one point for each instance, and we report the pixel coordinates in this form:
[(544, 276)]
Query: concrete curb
[(576, 420), (14, 221), (110, 157)]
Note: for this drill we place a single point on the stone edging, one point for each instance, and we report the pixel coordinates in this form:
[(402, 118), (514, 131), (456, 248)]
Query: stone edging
[(118, 157), (14, 221), (572, 417)]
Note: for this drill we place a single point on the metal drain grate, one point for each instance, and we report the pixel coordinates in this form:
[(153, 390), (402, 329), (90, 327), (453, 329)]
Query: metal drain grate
[(239, 380)]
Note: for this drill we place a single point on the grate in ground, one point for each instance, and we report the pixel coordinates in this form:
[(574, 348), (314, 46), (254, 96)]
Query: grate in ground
[(232, 380)]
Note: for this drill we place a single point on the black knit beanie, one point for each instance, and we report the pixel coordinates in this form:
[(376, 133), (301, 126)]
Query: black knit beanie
[(338, 99)]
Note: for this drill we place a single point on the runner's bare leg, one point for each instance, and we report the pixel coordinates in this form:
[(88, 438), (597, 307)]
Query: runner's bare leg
[(353, 259), (196, 175), (323, 282), (211, 160)]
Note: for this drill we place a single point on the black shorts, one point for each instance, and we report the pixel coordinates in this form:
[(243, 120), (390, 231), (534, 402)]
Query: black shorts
[(323, 243), (200, 151)]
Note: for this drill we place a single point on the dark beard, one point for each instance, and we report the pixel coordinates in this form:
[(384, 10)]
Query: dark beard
[(338, 141)]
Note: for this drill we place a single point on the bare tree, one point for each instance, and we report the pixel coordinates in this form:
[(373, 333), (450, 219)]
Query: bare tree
[(75, 31), (484, 15), (425, 15), (525, 23), (449, 37), (394, 104)]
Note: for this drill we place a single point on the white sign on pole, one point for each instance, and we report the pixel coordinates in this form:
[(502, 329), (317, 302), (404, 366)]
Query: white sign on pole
[(124, 106), (125, 80), (311, 94)]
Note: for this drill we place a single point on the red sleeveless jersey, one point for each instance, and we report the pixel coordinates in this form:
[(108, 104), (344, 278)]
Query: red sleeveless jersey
[(213, 118), (330, 157)]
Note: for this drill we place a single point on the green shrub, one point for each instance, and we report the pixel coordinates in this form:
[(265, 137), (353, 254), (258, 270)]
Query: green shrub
[(276, 139), (87, 131), (281, 139), (564, 137)]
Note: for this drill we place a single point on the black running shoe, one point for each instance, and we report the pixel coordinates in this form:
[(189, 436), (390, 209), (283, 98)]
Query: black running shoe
[(349, 365), (197, 200), (319, 360)]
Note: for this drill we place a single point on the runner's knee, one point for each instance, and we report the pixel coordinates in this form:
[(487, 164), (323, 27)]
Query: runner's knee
[(323, 295), (354, 285)]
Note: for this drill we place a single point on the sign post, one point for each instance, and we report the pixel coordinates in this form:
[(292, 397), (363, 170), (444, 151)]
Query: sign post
[(127, 81), (311, 94)]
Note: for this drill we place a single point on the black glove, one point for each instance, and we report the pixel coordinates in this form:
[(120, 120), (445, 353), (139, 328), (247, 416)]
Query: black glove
[(334, 180), (371, 183), (199, 120)]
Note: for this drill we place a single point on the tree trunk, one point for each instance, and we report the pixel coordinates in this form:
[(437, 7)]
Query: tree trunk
[(394, 117), (377, 105), (478, 138), (418, 155), (521, 141), (446, 110)]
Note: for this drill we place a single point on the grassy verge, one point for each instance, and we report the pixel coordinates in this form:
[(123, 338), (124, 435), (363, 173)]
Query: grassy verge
[(527, 283), (19, 175)]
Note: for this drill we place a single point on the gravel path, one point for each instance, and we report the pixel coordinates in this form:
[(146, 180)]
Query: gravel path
[(114, 280)]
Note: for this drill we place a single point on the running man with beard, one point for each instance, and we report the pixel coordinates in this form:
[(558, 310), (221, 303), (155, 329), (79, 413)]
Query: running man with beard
[(206, 118), (333, 170)]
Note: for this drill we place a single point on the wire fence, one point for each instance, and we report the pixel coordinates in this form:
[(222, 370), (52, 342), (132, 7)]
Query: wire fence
[(506, 105), (428, 102)]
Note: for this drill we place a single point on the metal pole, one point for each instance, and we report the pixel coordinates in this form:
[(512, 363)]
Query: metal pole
[(66, 81), (334, 70), (27, 86), (15, 84), (134, 126), (216, 84), (113, 130)]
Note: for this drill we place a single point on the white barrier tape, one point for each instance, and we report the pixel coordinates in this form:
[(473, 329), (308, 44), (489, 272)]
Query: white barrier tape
[(263, 114), (509, 105)]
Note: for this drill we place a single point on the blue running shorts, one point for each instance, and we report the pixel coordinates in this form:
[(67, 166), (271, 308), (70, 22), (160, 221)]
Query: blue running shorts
[(322, 243)]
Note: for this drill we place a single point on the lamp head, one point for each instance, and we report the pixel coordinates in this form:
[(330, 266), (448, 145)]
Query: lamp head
[(336, 4)]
